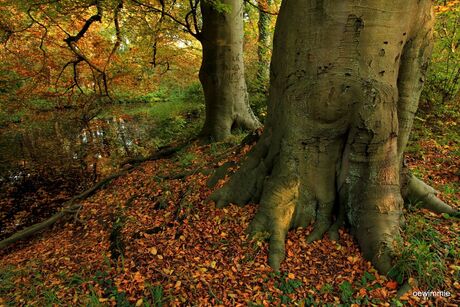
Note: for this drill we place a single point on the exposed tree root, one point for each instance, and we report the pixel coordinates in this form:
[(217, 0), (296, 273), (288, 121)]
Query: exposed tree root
[(219, 174), (271, 177), (415, 191), (32, 230), (246, 185), (222, 171), (70, 207), (163, 152)]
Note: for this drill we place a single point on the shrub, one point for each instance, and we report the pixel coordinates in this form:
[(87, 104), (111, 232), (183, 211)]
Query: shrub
[(444, 73)]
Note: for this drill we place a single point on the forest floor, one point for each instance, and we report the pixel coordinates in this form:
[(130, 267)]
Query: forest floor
[(151, 238)]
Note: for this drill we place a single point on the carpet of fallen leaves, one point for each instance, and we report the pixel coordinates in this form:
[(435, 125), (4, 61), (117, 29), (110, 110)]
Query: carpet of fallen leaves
[(172, 237), (437, 165)]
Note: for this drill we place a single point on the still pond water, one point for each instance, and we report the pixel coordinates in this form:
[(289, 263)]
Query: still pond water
[(45, 162)]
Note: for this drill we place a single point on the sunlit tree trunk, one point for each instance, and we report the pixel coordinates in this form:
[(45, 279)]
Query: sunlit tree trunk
[(345, 82), (263, 43), (222, 70)]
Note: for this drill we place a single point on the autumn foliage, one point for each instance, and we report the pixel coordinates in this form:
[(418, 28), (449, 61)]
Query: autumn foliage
[(152, 237)]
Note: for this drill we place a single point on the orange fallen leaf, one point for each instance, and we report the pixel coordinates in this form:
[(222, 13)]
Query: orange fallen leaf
[(392, 285), (362, 292), (138, 277)]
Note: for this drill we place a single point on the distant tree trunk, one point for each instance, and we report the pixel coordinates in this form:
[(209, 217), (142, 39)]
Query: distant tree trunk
[(222, 70), (263, 43), (345, 82)]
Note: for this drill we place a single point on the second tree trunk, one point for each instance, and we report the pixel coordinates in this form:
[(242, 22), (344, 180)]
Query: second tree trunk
[(222, 70)]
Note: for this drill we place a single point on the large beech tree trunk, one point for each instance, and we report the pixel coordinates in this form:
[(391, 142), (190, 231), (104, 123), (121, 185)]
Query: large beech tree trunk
[(222, 70), (345, 82)]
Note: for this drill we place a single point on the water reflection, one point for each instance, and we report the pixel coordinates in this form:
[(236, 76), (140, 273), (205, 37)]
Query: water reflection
[(61, 142), (46, 161)]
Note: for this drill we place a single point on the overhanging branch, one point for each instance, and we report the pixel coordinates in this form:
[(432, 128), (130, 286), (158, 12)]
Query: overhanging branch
[(186, 25)]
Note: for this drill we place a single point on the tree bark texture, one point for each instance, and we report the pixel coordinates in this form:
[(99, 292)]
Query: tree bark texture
[(346, 77), (222, 70), (263, 42)]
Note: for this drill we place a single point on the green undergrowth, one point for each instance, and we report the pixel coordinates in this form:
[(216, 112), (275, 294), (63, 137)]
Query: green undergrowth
[(161, 103), (172, 114), (444, 71), (423, 252), (435, 142), (343, 294), (439, 125), (158, 111), (102, 290)]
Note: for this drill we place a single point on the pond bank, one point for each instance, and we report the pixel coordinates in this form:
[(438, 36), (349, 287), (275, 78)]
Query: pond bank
[(48, 159)]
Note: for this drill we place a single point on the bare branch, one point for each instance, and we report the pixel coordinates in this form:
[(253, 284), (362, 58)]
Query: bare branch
[(75, 74), (185, 24), (118, 41), (71, 41), (42, 39), (195, 19), (98, 17)]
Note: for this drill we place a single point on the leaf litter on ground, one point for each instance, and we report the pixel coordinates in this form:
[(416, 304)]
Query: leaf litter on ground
[(178, 249)]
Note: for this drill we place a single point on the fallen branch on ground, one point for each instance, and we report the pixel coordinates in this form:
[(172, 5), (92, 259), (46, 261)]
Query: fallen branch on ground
[(70, 207), (163, 152)]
